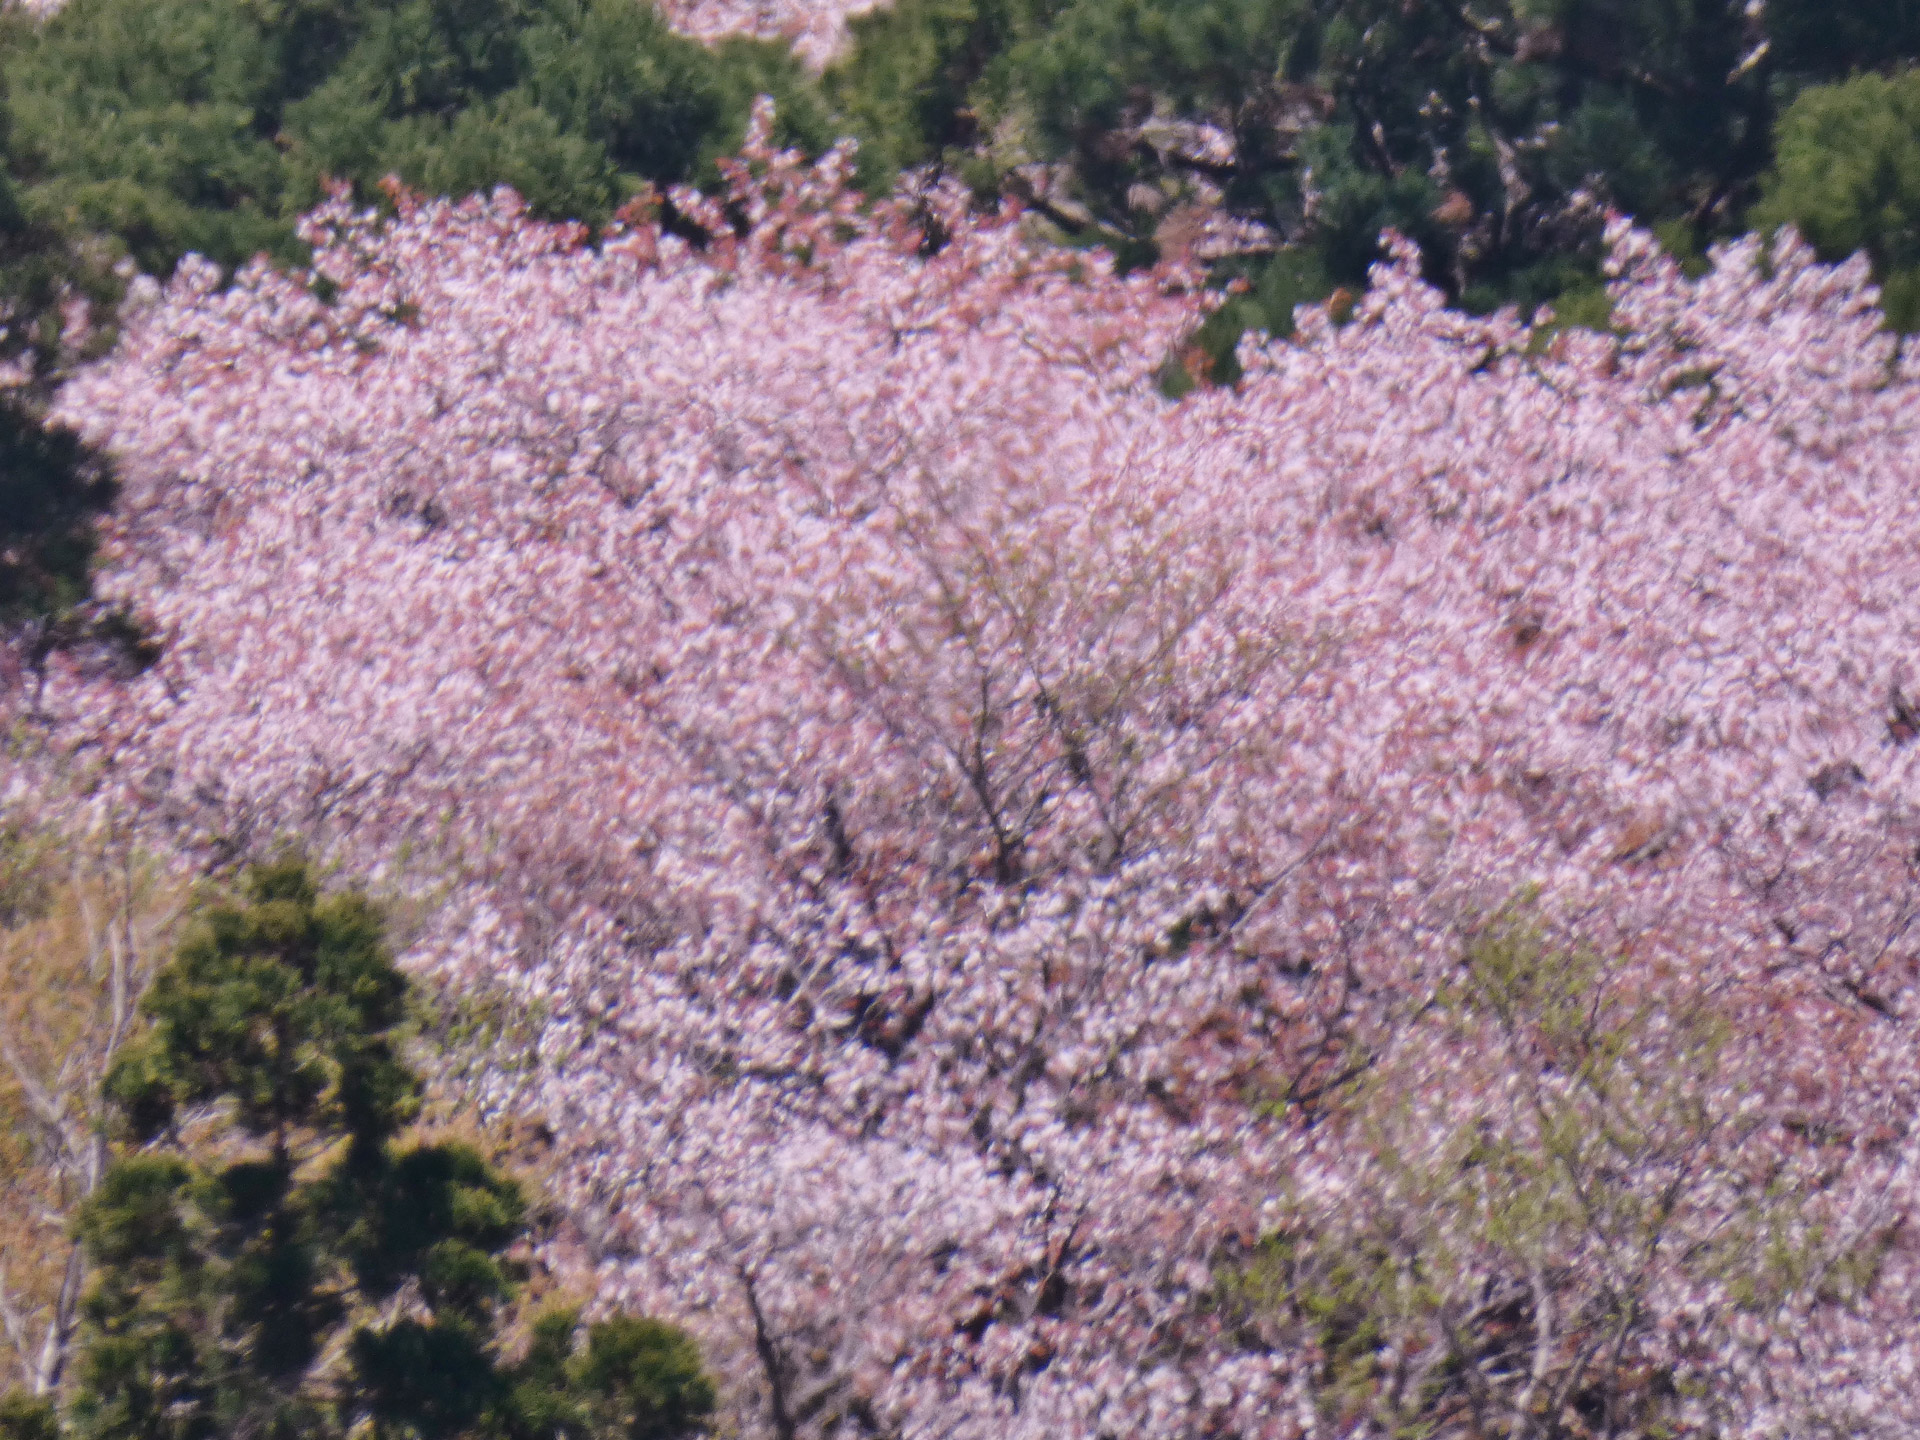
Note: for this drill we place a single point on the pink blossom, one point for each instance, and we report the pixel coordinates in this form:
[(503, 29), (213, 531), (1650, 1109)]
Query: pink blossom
[(933, 788)]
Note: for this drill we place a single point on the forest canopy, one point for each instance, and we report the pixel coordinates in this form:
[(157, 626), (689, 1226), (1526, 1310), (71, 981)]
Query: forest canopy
[(209, 127), (1494, 133)]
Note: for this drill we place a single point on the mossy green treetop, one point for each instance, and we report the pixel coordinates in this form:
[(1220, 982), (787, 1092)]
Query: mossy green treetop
[(1847, 176)]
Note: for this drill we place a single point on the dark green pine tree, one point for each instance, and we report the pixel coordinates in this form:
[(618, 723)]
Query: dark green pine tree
[(165, 126), (1482, 128), (275, 1259), (51, 492), (51, 489)]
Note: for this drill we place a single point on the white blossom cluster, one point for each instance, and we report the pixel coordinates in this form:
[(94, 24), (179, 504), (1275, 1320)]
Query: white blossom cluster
[(817, 29), (965, 821)]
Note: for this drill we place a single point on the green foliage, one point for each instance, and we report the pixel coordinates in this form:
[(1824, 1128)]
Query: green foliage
[(209, 125), (34, 261), (1834, 40), (51, 491), (636, 1380), (906, 84), (279, 1260), (27, 1417), (1481, 131), (286, 1007), (1847, 175)]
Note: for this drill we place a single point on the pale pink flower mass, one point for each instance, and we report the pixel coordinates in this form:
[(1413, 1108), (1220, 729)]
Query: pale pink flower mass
[(937, 791), (817, 29)]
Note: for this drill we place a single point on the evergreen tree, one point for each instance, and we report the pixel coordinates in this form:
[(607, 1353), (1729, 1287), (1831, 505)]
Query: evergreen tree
[(277, 1259), (211, 125), (51, 489), (1490, 131)]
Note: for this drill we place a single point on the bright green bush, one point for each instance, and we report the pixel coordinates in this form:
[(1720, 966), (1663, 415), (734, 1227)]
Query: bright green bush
[(1847, 175), (906, 86)]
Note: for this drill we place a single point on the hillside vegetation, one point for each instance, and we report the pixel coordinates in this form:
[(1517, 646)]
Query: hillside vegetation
[(1038, 875)]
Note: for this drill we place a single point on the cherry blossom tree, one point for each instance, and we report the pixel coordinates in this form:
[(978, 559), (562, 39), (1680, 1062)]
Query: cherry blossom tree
[(999, 852)]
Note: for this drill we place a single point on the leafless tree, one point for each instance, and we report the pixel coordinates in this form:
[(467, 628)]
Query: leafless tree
[(85, 918)]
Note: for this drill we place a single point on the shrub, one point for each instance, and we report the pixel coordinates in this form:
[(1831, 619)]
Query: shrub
[(1847, 175)]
